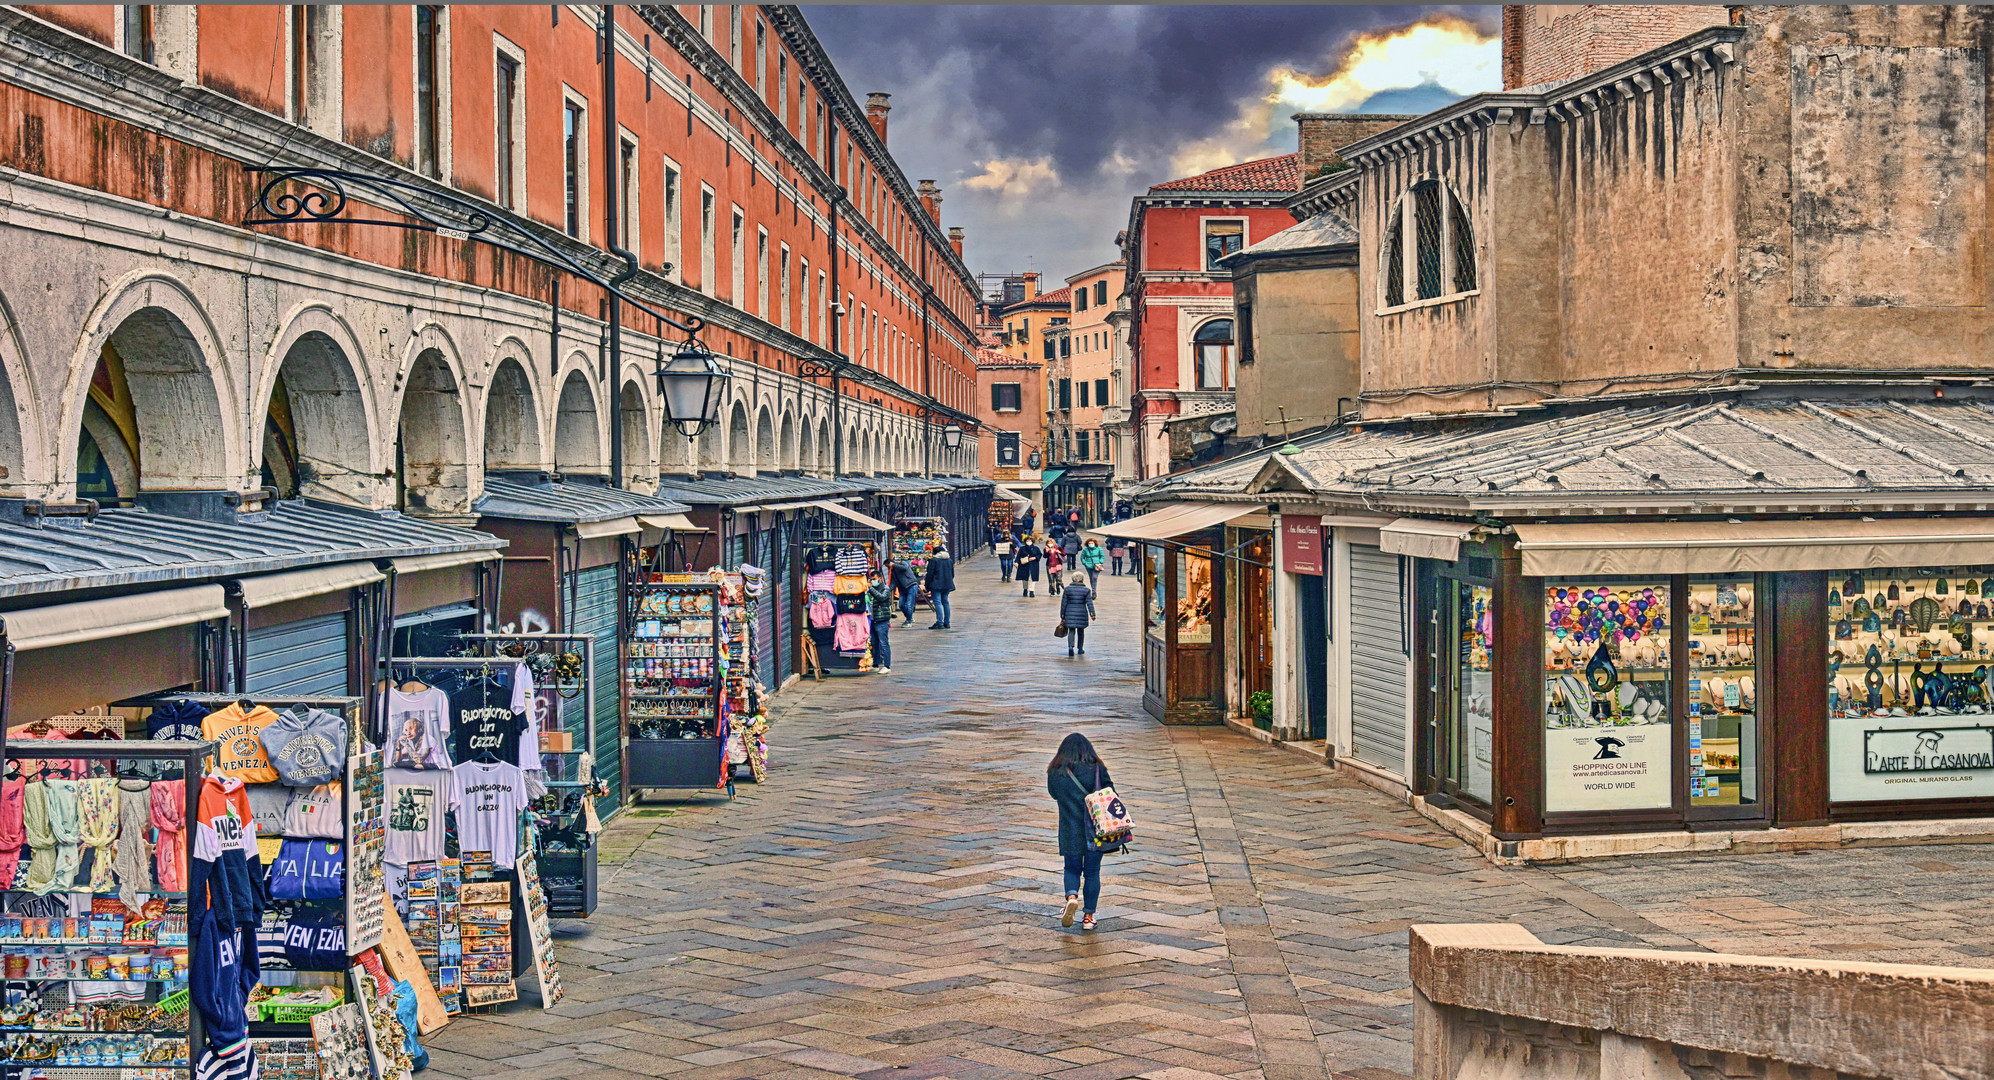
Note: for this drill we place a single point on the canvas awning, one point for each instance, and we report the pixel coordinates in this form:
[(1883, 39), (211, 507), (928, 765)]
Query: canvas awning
[(1012, 496), (1178, 519), (418, 564), (1721, 547), (117, 616), (594, 530), (1049, 477), (863, 519), (268, 589), (1425, 538), (673, 522)]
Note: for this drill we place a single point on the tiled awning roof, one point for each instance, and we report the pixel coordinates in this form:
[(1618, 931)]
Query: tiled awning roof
[(578, 502), (123, 547), (754, 490), (1781, 453)]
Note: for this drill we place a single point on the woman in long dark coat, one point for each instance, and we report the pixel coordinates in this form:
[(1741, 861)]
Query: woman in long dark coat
[(1076, 611), (1075, 773)]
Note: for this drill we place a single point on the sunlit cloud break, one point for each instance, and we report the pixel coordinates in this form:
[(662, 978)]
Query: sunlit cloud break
[(1443, 51), (1015, 178)]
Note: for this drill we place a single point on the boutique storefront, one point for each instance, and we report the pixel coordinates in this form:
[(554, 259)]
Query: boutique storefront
[(1664, 628)]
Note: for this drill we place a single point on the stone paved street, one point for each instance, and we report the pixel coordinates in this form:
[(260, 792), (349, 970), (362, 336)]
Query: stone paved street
[(886, 905)]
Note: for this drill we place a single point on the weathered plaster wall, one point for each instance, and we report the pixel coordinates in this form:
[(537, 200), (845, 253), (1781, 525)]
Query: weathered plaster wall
[(1306, 348)]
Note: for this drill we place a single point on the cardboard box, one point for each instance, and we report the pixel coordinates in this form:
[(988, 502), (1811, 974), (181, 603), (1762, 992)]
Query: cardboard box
[(556, 742)]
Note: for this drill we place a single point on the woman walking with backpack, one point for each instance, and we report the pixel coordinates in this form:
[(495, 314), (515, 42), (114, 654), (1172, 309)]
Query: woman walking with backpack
[(1076, 611), (1075, 773)]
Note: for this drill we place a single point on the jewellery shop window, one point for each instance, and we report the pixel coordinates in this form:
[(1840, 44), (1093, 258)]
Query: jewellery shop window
[(1194, 599), (1152, 576), (1722, 692), (1607, 696), (1909, 687)]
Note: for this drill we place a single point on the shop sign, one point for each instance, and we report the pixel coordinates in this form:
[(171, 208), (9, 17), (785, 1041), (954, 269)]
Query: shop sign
[(1607, 767), (1301, 545), (1874, 758)]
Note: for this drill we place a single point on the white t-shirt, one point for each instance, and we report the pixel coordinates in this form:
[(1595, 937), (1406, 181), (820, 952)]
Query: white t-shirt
[(417, 799), (490, 801), (419, 729)]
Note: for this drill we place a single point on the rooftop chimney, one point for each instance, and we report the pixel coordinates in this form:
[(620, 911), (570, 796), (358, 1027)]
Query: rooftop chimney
[(931, 200), (955, 240), (1324, 134), (876, 108)]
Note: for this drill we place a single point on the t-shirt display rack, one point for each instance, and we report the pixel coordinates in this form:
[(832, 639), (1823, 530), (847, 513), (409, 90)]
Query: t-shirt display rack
[(159, 1037), (405, 665), (574, 830), (836, 536), (358, 916), (672, 672)]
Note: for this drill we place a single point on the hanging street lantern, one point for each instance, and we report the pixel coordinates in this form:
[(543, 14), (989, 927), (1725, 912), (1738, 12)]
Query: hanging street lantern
[(693, 385), (1035, 461), (952, 436)]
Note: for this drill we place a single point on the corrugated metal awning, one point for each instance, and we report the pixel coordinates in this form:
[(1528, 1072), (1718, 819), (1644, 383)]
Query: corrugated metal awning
[(417, 564), (269, 589), (595, 530), (863, 519), (117, 616), (1425, 538), (1723, 547)]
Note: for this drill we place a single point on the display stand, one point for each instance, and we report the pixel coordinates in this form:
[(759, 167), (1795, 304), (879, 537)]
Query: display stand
[(914, 539), (164, 1035), (563, 813), (833, 538), (672, 680)]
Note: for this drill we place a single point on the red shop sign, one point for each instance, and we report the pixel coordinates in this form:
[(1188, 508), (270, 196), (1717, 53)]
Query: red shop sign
[(1301, 545)]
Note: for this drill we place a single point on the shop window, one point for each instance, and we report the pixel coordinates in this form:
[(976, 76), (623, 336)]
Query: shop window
[(1152, 557), (1909, 684), (1194, 599), (1473, 742), (1607, 696), (1721, 665)]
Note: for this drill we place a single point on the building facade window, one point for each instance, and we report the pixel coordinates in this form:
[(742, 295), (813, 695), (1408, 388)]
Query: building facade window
[(706, 22), (739, 250), (1007, 446), (574, 160), (734, 37), (1007, 397), (1080, 445), (1429, 247), (508, 130), (762, 60), (1080, 298), (1213, 346), (627, 192), (1100, 392), (782, 310), (674, 225), (803, 300), (1244, 314), (1084, 385), (137, 25), (1066, 393), (430, 68), (782, 89), (706, 240), (1222, 238), (1049, 349), (762, 272), (1100, 293)]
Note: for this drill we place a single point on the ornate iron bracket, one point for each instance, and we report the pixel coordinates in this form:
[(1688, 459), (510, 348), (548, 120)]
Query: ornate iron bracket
[(429, 210)]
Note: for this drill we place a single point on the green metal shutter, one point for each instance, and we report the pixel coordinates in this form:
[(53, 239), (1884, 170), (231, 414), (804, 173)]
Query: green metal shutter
[(298, 659), (597, 613), (1378, 662)]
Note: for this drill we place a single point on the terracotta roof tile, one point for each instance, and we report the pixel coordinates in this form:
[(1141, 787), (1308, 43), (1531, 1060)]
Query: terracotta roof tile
[(1283, 173)]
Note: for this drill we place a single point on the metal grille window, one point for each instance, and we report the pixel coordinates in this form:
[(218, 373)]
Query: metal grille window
[(1464, 246), (1394, 270), (1426, 226)]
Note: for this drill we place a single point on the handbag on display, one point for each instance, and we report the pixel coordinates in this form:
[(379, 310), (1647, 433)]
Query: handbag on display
[(1113, 828)]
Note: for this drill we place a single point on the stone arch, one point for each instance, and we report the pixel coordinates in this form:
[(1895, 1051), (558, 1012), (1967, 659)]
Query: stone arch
[(578, 442), (786, 443), (712, 445), (432, 449), (26, 460), (765, 445), (321, 431), (740, 455), (640, 460), (512, 420), (163, 361)]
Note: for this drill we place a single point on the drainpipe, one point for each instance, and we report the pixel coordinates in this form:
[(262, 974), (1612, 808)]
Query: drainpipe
[(612, 185), (831, 309)]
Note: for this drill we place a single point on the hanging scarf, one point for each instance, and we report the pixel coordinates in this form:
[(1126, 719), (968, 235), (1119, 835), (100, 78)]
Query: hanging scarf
[(97, 824), (169, 816), (34, 825), (11, 836), (63, 808), (133, 859)]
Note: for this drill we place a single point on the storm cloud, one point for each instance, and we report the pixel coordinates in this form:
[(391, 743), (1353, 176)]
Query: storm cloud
[(1041, 122)]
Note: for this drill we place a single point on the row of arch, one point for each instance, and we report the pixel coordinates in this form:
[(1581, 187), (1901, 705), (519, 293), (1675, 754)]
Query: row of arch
[(150, 404)]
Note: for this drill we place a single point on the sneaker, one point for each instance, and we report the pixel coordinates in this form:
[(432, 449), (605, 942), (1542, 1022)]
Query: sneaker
[(1072, 909), (1087, 922), (882, 671)]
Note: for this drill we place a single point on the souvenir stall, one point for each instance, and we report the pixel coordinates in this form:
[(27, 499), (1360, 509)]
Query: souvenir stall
[(914, 539), (672, 680), (999, 518), (744, 719), (837, 559)]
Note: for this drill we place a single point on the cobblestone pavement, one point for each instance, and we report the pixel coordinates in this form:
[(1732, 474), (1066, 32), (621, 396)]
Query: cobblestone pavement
[(886, 905)]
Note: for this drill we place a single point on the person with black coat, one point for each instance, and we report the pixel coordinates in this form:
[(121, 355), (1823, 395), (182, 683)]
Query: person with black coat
[(909, 585), (1076, 611), (1075, 773), (1030, 555), (941, 582)]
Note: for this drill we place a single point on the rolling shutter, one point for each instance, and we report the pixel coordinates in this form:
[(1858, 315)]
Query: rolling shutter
[(765, 609), (1378, 661), (300, 659), (782, 601), (596, 614)]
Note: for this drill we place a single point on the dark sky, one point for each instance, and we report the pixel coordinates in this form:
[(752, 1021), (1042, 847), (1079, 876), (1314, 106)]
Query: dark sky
[(1040, 122)]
